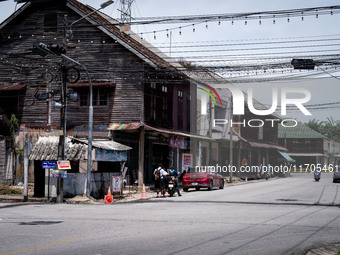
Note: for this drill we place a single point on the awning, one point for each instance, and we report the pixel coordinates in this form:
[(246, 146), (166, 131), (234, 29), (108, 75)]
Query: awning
[(171, 132), (104, 144), (267, 145), (307, 154), (134, 126), (119, 126), (12, 87), (286, 156)]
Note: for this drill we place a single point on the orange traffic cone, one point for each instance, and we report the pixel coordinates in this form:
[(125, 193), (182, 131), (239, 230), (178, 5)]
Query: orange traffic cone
[(108, 199), (143, 192)]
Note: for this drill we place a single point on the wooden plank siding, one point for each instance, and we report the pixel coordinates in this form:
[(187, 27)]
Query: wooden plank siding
[(103, 57), (3, 161)]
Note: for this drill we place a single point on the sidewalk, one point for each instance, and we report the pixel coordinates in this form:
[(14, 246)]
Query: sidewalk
[(128, 196)]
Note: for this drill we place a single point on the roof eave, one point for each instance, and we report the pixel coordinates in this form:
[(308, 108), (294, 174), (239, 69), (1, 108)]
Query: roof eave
[(113, 36), (14, 15)]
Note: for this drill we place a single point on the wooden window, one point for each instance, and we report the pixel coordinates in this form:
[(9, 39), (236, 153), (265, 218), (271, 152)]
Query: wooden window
[(83, 98), (165, 110), (164, 89), (153, 85), (180, 110), (153, 108), (103, 97), (188, 111), (99, 98)]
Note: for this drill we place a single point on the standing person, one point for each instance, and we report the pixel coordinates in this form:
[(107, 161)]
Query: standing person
[(163, 175), (173, 172), (157, 174)]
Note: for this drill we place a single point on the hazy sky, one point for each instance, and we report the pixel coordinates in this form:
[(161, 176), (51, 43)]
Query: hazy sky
[(311, 28)]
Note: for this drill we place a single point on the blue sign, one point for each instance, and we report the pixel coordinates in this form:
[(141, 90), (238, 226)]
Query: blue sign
[(49, 164), (58, 174)]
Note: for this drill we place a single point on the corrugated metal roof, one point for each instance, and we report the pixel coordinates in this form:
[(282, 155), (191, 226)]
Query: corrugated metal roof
[(129, 126), (267, 145), (76, 149), (104, 144), (300, 131), (47, 149)]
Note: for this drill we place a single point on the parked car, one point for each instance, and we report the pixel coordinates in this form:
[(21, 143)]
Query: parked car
[(336, 173), (204, 179)]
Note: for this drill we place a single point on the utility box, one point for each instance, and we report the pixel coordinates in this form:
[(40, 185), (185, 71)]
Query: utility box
[(50, 184)]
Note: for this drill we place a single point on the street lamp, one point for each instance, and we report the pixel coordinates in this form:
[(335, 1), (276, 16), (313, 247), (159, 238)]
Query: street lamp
[(308, 64), (43, 50), (102, 6), (90, 134)]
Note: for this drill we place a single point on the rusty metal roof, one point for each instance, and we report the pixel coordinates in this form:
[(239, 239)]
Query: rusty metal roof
[(267, 145), (129, 126), (12, 87)]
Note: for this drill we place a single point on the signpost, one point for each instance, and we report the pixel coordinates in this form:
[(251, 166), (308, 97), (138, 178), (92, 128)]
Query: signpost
[(116, 183), (49, 165), (56, 169), (64, 165)]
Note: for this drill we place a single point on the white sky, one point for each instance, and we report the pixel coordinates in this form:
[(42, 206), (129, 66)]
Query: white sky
[(322, 90)]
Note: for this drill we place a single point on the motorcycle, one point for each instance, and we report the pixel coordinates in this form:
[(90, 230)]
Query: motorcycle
[(171, 186), (317, 175)]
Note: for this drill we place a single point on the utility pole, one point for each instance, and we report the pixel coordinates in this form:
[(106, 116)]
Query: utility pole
[(62, 134), (231, 141)]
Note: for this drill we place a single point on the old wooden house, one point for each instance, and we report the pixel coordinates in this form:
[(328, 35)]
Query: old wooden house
[(305, 145), (140, 98)]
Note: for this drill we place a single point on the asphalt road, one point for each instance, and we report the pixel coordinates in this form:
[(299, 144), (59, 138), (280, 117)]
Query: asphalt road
[(278, 216)]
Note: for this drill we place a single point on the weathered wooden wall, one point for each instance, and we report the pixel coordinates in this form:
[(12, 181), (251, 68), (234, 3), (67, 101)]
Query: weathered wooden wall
[(104, 58), (2, 161)]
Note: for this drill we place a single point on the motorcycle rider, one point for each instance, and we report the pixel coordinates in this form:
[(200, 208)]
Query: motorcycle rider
[(174, 173)]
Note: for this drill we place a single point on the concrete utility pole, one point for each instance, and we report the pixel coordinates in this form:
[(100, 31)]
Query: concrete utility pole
[(231, 140), (141, 158), (27, 151), (62, 135)]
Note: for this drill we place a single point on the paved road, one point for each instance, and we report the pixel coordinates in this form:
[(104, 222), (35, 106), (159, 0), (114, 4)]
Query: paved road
[(279, 216)]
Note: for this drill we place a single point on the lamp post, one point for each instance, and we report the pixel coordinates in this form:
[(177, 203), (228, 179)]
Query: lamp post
[(43, 50), (90, 133), (102, 6)]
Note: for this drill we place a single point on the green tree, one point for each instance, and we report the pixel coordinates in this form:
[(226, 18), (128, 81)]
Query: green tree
[(329, 128)]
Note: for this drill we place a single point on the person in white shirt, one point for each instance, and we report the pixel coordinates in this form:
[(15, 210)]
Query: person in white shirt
[(163, 175)]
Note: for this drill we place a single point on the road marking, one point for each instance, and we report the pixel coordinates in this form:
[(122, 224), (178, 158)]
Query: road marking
[(43, 245)]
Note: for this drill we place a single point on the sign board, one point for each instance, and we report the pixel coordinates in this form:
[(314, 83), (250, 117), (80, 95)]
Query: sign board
[(186, 161), (58, 174), (64, 165), (49, 165), (108, 155), (116, 183)]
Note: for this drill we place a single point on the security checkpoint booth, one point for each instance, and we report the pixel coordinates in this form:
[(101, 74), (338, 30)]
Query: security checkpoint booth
[(108, 157)]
